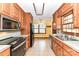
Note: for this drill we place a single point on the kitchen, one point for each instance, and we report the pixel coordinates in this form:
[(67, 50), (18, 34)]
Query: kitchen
[(25, 29)]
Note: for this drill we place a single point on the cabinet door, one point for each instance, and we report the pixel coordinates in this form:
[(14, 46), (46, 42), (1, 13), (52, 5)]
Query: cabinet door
[(59, 51), (14, 11), (66, 8), (0, 7), (28, 42), (76, 15), (5, 52), (22, 18), (52, 40), (53, 43), (58, 20), (55, 47), (65, 53), (6, 9)]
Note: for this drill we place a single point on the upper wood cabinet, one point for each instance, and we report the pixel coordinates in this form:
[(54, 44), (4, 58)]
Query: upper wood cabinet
[(0, 7), (58, 19), (6, 8), (10, 9), (22, 19), (76, 15), (14, 11), (66, 7)]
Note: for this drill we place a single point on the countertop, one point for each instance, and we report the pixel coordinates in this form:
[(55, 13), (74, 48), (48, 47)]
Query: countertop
[(4, 47), (73, 44), (4, 35), (23, 35)]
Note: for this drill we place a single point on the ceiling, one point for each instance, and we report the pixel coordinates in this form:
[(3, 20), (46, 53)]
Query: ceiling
[(49, 8)]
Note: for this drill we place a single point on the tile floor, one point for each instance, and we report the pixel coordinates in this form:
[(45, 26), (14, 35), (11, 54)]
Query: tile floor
[(41, 47)]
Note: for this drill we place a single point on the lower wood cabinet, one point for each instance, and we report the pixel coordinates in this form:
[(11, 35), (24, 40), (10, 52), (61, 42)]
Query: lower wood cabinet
[(5, 52), (70, 50), (65, 53), (61, 49), (28, 42)]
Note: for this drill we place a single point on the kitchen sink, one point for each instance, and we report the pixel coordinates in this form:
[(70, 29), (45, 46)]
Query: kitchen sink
[(67, 39), (73, 40)]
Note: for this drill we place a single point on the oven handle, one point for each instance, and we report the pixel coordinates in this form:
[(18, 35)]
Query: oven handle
[(18, 45)]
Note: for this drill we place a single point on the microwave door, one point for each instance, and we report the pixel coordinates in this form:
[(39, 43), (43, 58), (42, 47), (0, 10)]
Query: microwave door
[(6, 24)]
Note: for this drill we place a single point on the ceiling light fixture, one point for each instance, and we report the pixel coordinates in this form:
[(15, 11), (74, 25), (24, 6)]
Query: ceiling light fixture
[(36, 9)]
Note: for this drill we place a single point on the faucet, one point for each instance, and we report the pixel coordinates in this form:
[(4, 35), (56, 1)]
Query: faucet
[(66, 37)]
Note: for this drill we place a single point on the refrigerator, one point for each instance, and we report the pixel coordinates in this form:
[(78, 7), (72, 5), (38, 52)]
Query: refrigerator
[(31, 35)]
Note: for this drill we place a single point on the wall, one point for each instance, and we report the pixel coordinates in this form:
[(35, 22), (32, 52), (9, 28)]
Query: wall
[(48, 23)]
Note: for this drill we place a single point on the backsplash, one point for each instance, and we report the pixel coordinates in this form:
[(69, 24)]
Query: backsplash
[(4, 35)]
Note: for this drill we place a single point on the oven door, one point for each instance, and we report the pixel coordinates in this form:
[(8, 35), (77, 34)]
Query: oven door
[(19, 50)]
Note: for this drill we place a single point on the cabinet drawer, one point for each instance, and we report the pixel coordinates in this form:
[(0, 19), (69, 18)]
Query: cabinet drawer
[(5, 52), (70, 50)]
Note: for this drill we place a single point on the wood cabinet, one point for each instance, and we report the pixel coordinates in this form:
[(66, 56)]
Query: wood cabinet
[(5, 52), (23, 22), (76, 13), (28, 42), (56, 47), (63, 20), (58, 19), (6, 9), (66, 7), (14, 11), (22, 19), (65, 53), (10, 10), (70, 50), (61, 49), (0, 7), (52, 40)]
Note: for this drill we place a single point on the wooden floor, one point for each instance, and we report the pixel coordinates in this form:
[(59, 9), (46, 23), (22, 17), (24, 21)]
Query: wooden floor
[(41, 47)]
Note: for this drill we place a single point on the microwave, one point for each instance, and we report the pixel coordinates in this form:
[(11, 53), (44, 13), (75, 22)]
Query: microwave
[(7, 23)]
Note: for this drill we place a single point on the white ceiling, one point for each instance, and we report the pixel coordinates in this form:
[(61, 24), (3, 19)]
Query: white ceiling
[(50, 6)]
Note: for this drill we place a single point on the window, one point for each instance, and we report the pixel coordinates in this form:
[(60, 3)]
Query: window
[(39, 28), (35, 28), (42, 28), (67, 22)]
